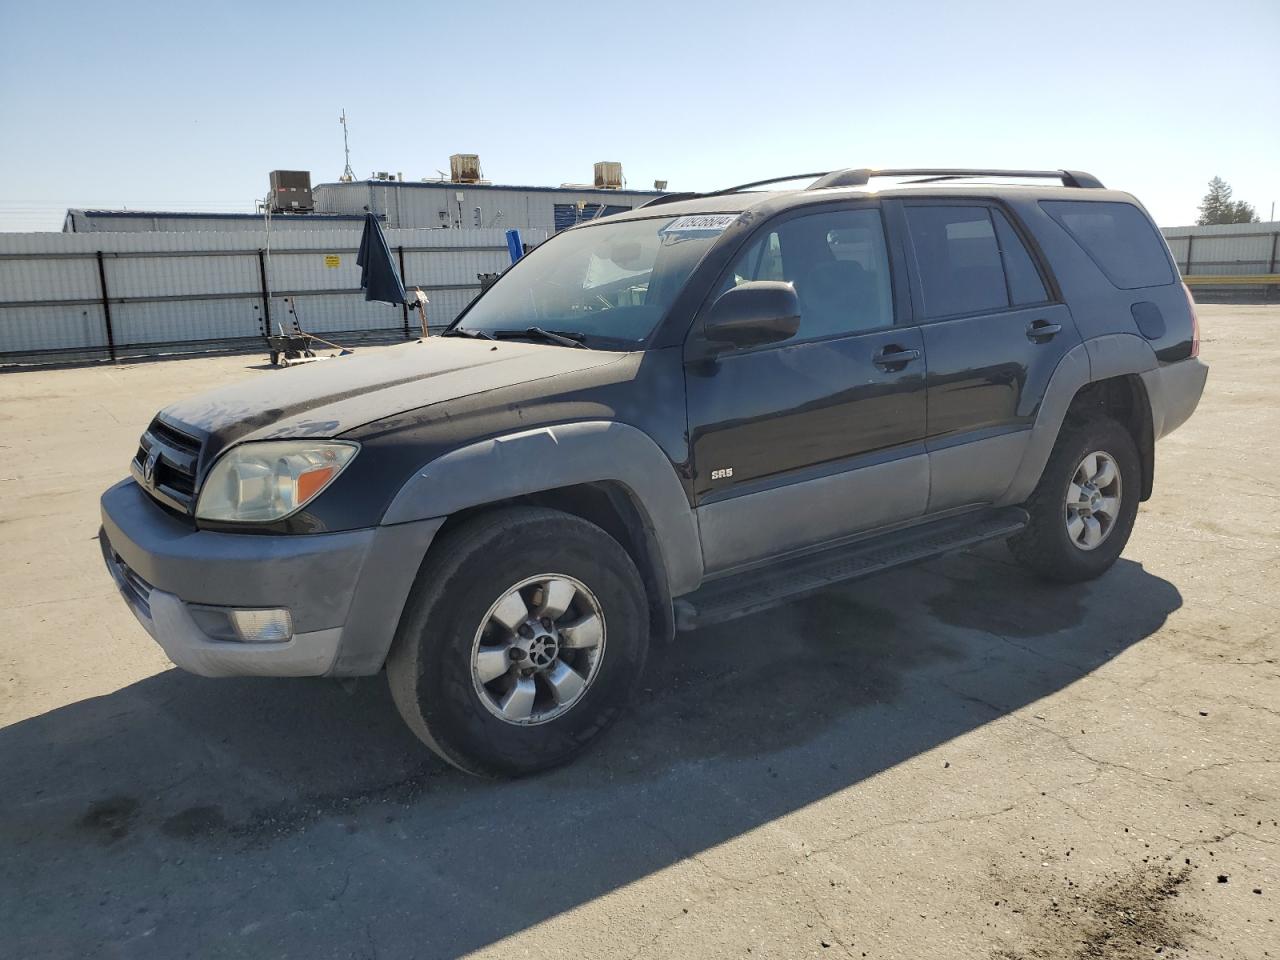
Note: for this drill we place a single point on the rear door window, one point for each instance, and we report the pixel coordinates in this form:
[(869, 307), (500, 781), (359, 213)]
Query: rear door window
[(1025, 283), (959, 260), (1118, 237)]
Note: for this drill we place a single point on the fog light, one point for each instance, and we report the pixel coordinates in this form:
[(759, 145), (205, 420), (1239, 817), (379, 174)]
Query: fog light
[(262, 626)]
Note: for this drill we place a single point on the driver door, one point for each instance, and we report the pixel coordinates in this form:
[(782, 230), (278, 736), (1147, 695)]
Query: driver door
[(821, 436)]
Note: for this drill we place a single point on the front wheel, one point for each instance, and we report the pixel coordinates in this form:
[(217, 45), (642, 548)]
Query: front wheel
[(1083, 509), (524, 636)]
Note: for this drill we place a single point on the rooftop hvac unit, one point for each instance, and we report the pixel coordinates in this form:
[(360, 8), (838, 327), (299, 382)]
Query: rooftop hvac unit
[(291, 191), (464, 168), (608, 175)]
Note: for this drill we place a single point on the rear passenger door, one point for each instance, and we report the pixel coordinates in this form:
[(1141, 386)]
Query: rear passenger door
[(994, 330)]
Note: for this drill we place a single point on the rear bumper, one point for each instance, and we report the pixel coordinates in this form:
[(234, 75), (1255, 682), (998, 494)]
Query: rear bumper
[(1174, 391), (344, 591)]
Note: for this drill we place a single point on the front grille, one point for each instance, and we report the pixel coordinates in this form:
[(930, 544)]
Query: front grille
[(174, 457)]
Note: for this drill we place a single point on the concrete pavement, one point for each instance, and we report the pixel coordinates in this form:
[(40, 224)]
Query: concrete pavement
[(949, 761)]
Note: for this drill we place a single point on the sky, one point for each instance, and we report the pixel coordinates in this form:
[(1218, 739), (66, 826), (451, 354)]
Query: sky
[(184, 106)]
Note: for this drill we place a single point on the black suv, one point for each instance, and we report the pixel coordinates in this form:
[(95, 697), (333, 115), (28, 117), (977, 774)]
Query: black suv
[(661, 420)]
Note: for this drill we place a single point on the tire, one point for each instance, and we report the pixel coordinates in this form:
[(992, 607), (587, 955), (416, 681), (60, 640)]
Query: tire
[(1047, 545), (453, 615)]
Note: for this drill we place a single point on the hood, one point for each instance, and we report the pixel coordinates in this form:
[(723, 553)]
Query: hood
[(330, 397)]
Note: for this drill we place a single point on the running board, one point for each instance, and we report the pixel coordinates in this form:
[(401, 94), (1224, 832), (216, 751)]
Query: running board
[(759, 588)]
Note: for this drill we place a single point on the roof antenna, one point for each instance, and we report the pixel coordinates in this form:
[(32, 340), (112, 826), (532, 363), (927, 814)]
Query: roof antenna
[(348, 175)]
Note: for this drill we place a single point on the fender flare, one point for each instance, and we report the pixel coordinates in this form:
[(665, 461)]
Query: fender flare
[(1099, 358), (562, 455)]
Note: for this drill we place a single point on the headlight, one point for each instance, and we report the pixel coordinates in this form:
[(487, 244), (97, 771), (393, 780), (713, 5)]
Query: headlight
[(270, 479)]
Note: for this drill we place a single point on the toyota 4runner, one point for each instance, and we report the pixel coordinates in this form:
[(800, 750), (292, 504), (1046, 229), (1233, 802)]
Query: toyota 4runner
[(665, 419)]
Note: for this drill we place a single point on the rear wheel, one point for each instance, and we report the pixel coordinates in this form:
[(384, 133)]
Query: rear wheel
[(523, 638), (1083, 509)]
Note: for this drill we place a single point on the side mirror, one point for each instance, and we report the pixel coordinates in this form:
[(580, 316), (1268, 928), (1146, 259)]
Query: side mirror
[(754, 313)]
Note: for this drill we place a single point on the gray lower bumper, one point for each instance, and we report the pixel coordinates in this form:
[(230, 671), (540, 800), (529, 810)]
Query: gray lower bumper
[(344, 590), (1174, 391)]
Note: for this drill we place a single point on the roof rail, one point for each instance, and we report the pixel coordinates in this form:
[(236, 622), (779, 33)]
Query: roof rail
[(765, 183), (669, 198), (860, 177), (673, 197)]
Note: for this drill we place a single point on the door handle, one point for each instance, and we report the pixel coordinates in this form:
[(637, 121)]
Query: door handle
[(894, 357), (1040, 331)]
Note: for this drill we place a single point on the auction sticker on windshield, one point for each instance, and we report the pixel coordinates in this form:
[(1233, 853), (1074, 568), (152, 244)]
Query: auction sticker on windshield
[(702, 223)]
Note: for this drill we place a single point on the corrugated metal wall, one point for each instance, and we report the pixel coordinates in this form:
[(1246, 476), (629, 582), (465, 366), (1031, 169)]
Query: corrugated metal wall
[(435, 204), (165, 289), (1225, 250)]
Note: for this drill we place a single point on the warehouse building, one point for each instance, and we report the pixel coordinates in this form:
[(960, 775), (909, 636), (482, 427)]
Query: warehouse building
[(465, 200), (453, 205), (164, 221)]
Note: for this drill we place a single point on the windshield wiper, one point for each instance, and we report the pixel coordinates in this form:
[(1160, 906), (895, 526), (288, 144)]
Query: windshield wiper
[(468, 332), (565, 338)]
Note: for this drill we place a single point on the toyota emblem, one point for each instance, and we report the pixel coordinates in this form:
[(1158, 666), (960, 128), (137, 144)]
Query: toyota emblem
[(149, 468)]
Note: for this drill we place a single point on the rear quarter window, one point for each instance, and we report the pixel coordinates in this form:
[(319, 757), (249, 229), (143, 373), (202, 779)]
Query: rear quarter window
[(1118, 237)]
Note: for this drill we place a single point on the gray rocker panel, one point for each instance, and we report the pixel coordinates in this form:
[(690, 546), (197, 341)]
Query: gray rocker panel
[(560, 456), (745, 529)]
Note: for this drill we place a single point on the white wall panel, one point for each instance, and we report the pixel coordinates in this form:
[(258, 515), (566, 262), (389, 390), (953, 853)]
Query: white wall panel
[(49, 279), (24, 329), (174, 287)]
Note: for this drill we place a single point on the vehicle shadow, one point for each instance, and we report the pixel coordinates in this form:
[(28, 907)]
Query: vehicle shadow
[(264, 817)]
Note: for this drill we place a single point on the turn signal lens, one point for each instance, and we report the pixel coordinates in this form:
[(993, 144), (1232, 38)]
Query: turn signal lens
[(311, 482), (270, 479)]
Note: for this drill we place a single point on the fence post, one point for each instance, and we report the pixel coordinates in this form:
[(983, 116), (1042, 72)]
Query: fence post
[(1186, 272), (266, 294), (404, 306), (106, 305), (1275, 243)]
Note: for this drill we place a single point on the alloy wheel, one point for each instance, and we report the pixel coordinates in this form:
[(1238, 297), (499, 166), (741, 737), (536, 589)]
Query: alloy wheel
[(538, 649), (1093, 500)]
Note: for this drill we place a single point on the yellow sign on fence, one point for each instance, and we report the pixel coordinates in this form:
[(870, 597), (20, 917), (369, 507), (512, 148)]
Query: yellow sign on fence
[(332, 260)]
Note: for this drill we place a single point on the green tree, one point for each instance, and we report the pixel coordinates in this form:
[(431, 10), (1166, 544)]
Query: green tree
[(1218, 207)]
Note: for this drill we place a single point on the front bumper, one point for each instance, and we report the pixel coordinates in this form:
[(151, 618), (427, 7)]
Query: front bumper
[(344, 590), (167, 618)]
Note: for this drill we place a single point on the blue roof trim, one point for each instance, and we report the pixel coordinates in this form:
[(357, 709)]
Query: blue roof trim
[(195, 215), (449, 185)]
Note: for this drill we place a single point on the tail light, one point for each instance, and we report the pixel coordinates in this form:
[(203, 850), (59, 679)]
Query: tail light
[(1195, 321)]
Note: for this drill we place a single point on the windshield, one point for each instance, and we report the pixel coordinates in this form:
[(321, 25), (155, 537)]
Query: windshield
[(611, 282)]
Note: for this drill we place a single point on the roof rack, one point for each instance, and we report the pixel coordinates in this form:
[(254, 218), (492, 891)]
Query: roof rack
[(765, 183), (673, 197), (670, 198), (860, 177)]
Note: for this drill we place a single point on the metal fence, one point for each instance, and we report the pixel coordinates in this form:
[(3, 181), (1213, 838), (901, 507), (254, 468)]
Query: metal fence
[(76, 296), (1237, 261)]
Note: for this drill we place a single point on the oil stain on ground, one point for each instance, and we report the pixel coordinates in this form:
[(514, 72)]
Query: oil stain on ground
[(1124, 916), (110, 819)]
